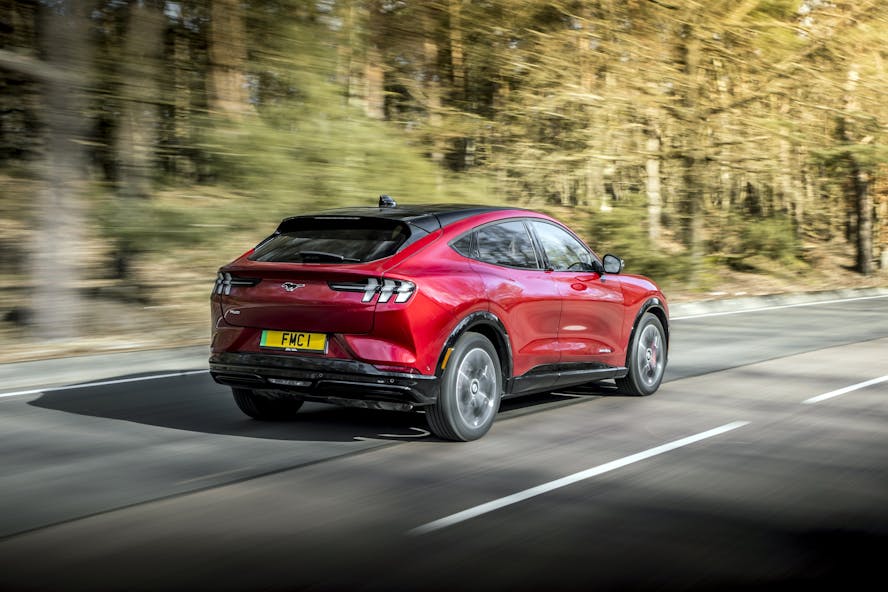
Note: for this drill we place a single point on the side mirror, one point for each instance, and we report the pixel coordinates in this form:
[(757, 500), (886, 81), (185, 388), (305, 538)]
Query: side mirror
[(612, 264)]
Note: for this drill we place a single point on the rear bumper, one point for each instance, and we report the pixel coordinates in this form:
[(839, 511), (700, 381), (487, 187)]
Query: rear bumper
[(348, 382)]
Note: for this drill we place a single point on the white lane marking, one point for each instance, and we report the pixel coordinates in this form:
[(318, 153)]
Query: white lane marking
[(569, 480), (101, 383), (420, 433), (847, 389), (780, 307)]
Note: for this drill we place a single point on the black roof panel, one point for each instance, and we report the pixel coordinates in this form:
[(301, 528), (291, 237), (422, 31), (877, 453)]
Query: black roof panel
[(429, 217)]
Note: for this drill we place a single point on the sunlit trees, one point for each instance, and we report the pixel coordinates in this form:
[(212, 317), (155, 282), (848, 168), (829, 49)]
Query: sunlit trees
[(855, 83), (692, 134)]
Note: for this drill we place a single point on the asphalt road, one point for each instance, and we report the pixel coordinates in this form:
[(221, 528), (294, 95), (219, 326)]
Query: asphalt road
[(754, 467)]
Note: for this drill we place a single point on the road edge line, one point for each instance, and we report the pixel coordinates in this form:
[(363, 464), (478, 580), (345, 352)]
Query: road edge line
[(776, 307), (69, 387)]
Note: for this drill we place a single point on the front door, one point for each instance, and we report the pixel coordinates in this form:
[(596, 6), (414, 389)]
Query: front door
[(591, 323)]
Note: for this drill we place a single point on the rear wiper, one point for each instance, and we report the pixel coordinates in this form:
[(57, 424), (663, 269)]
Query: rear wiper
[(322, 256)]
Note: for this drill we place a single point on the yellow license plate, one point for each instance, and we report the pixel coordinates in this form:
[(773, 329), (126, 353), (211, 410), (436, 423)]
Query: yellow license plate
[(294, 341)]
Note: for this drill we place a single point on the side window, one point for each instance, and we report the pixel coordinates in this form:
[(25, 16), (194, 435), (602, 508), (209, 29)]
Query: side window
[(563, 251), (463, 245), (506, 244)]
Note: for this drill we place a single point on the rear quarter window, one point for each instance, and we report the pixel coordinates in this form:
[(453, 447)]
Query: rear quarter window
[(506, 244)]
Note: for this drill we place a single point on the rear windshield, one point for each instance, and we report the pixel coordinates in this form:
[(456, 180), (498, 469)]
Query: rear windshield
[(333, 240)]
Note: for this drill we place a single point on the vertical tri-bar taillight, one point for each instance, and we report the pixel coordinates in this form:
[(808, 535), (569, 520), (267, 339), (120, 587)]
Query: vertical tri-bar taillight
[(401, 290)]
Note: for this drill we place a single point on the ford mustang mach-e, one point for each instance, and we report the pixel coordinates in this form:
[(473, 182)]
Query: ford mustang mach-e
[(444, 309)]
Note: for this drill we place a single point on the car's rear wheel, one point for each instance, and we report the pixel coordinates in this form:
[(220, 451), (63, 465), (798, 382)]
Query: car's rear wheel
[(647, 358), (265, 408), (471, 390)]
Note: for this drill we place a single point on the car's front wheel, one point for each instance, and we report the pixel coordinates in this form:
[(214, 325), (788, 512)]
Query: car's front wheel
[(265, 408), (471, 390), (647, 358)]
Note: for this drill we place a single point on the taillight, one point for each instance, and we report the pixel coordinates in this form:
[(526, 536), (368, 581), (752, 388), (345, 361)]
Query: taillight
[(369, 287), (402, 290), (225, 281)]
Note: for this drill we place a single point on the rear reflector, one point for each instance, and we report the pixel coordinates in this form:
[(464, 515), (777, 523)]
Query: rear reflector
[(398, 369)]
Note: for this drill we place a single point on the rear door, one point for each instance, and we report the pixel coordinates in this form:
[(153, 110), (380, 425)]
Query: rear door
[(520, 292)]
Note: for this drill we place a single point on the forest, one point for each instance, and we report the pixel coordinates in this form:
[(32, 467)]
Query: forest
[(144, 143)]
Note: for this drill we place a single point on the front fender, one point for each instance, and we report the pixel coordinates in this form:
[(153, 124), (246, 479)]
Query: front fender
[(657, 306)]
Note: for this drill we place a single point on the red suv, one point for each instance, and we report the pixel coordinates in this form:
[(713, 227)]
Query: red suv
[(441, 308)]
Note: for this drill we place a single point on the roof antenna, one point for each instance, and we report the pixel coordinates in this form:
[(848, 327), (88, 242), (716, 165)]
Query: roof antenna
[(386, 201)]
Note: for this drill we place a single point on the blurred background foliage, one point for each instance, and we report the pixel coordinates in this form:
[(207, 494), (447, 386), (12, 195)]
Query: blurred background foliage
[(711, 144)]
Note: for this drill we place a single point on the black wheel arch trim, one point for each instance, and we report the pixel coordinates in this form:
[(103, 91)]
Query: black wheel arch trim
[(653, 305), (488, 320)]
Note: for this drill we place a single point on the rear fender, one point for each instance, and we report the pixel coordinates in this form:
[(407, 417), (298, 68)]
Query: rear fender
[(489, 325)]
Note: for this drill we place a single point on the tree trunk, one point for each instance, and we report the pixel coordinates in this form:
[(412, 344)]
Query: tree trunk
[(58, 241), (139, 117), (692, 160), (653, 181), (864, 201), (692, 216), (858, 181), (182, 92), (345, 49), (432, 84), (19, 95), (374, 77), (879, 193), (457, 52), (786, 197), (360, 65), (459, 81), (228, 57)]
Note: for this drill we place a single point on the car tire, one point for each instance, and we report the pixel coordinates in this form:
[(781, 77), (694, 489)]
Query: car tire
[(647, 358), (471, 390), (265, 408)]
